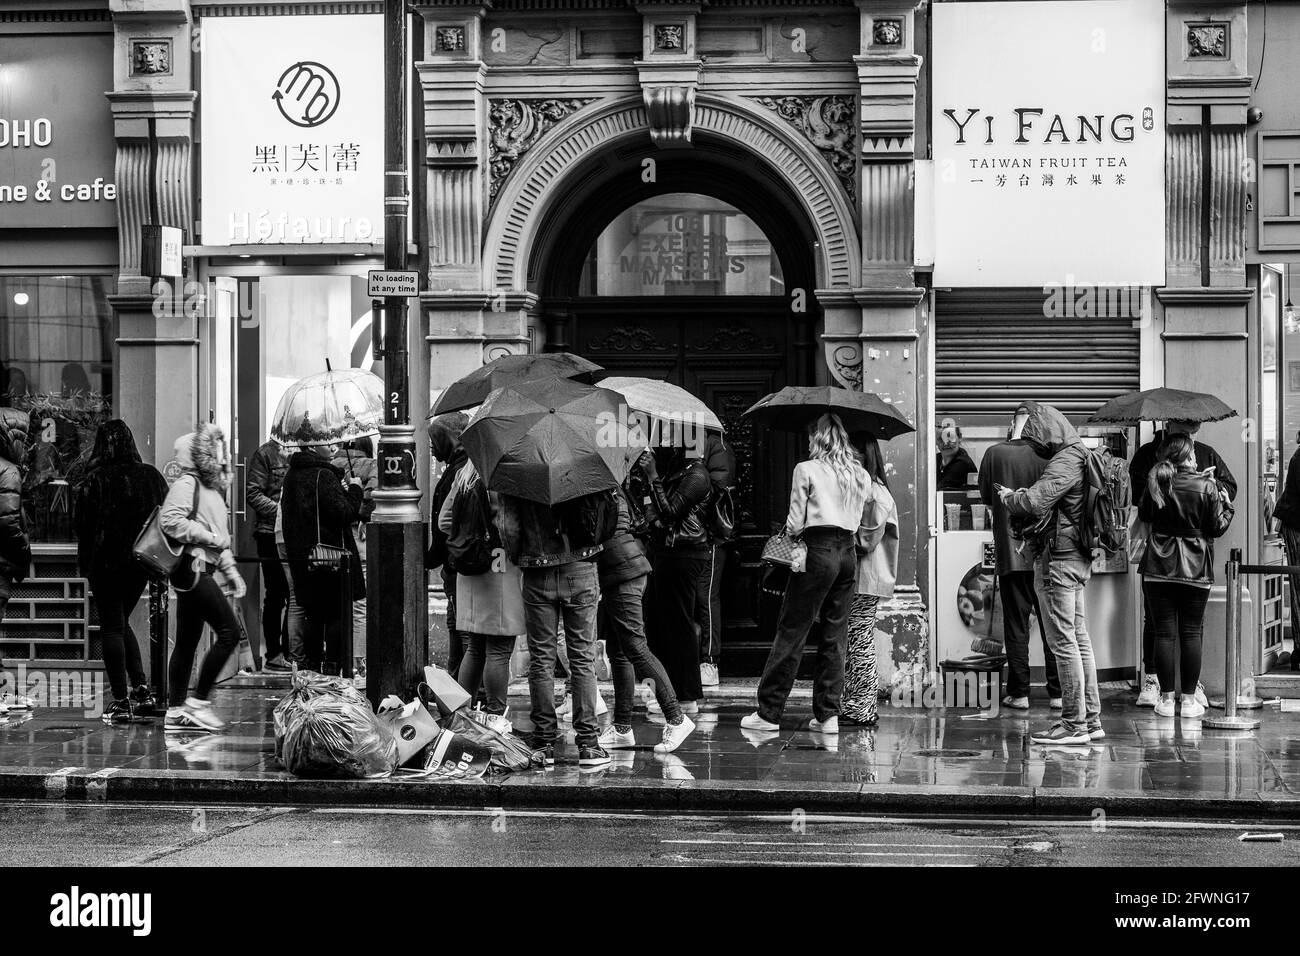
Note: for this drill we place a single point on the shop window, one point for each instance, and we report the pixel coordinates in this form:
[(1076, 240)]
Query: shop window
[(682, 244), (56, 364)]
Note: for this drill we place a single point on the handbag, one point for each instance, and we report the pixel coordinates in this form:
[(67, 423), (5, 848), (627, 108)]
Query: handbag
[(1138, 533), (155, 549), (324, 554), (779, 549)]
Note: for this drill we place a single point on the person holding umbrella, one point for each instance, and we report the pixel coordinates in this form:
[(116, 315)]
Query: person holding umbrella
[(444, 445)]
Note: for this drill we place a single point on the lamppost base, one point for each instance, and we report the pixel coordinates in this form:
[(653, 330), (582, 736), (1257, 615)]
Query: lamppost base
[(1230, 723), (1243, 703)]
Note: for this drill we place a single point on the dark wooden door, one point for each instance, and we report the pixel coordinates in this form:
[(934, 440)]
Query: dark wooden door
[(730, 353)]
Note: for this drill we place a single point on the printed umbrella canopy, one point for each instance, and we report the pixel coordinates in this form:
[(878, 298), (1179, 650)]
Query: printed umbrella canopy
[(549, 440), (663, 400), (1162, 405), (472, 389), (329, 408), (793, 407)]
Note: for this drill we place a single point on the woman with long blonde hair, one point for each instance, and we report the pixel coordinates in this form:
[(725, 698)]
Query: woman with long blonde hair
[(827, 498)]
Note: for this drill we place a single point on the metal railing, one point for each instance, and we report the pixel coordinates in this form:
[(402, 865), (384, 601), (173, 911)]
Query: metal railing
[(1233, 699)]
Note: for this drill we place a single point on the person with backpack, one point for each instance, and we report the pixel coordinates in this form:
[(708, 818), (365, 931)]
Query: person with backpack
[(556, 560), (1062, 553), (1139, 469), (194, 515), (489, 592), (682, 556), (266, 470), (720, 460), (114, 500), (1185, 510), (624, 569)]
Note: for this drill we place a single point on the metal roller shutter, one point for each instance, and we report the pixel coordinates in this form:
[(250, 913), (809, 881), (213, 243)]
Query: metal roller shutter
[(994, 350)]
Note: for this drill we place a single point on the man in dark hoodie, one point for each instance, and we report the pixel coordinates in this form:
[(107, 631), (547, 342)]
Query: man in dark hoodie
[(1062, 567), (445, 446)]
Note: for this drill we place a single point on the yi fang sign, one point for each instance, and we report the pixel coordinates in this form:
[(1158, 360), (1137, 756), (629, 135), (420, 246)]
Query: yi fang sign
[(1048, 123)]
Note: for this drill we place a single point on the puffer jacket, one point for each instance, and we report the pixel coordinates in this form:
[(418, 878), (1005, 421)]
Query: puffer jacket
[(623, 557), (202, 457), (266, 470), (1059, 491), (114, 500), (1180, 545), (15, 549)]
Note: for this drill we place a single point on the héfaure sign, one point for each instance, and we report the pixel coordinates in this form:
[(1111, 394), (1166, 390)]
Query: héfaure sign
[(1048, 142), (57, 150), (293, 147)]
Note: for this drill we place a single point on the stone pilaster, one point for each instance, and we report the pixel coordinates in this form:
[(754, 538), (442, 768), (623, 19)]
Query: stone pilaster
[(669, 71)]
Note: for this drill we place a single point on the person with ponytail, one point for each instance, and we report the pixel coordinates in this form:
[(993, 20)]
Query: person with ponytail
[(828, 496), (1186, 510)]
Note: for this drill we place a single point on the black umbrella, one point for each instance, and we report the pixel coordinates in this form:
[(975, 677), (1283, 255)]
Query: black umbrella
[(475, 387), (549, 440), (1162, 405), (794, 406)]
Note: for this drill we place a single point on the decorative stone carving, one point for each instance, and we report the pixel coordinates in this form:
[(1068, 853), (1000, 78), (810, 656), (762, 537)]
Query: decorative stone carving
[(734, 337), (845, 362), (888, 32), (670, 36), (826, 122), (151, 57), (628, 338), (1207, 40), (670, 110), (515, 126), (450, 39)]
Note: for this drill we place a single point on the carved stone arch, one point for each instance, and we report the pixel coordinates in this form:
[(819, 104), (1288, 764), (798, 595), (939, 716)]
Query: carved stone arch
[(540, 177)]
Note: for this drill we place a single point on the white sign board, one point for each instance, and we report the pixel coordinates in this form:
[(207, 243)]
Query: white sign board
[(1049, 143), (170, 239), (293, 134), (380, 283)]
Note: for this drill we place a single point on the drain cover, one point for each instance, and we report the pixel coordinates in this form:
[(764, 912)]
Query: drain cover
[(945, 753)]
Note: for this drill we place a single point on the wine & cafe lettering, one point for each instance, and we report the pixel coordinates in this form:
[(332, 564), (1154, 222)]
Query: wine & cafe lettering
[(22, 134)]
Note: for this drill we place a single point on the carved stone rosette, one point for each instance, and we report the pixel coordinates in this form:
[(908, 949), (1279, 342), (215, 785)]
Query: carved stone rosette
[(828, 123), (845, 362), (515, 126)]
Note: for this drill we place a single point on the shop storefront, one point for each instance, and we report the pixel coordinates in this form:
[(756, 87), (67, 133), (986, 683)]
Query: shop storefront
[(58, 258)]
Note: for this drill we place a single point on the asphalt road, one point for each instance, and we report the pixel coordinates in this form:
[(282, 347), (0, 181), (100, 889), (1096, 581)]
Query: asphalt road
[(133, 835)]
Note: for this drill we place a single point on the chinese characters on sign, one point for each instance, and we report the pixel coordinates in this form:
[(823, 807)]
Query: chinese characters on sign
[(306, 158)]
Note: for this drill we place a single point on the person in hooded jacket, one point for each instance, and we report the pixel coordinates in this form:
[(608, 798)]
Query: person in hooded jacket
[(1062, 568), (316, 509), (356, 459), (445, 447), (194, 514), (114, 501), (266, 470)]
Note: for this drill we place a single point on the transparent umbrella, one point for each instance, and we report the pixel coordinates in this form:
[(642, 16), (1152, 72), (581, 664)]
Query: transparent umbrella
[(330, 408)]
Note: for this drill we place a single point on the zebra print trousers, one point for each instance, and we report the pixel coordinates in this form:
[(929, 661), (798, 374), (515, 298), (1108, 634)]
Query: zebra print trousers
[(861, 688)]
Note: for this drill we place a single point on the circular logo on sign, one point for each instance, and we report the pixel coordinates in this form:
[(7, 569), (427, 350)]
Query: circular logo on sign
[(408, 732), (307, 93)]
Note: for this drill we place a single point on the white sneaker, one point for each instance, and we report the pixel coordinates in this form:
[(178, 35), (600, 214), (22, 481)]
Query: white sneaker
[(652, 706), (1192, 709), (709, 675), (1200, 696), (755, 722), (673, 735), (831, 725), (611, 739), (194, 714), (565, 710), (1015, 703), (1165, 706), (1056, 703), (1150, 696)]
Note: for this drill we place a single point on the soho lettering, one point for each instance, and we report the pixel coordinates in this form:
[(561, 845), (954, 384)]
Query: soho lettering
[(26, 133), (1096, 127)]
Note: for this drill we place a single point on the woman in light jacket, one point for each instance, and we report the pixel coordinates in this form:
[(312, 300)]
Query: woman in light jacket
[(827, 497), (489, 610), (877, 570), (205, 579)]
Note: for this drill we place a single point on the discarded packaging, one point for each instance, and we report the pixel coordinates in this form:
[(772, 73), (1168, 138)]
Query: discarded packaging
[(325, 728), (455, 756), (412, 725), (508, 752), (305, 684), (449, 695)]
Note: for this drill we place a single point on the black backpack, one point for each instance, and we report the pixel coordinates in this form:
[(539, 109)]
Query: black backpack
[(473, 540), (589, 520)]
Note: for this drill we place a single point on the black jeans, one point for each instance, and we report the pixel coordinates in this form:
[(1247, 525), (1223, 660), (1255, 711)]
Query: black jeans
[(621, 622), (709, 607), (486, 661), (318, 591), (115, 597), (1019, 600), (1177, 614), (204, 604), (455, 639), (823, 589), (277, 595), (674, 597)]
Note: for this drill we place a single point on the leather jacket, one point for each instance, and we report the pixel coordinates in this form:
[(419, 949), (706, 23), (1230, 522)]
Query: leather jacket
[(266, 471), (1180, 546), (623, 557), (679, 504)]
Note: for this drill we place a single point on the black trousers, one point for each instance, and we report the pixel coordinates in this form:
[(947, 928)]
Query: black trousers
[(1177, 613), (823, 589), (455, 640), (276, 601), (672, 603), (317, 589), (203, 604), (708, 605), (115, 597), (1019, 600)]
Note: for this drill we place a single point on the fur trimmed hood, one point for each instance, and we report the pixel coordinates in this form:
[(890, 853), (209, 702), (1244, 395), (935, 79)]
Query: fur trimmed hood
[(203, 452)]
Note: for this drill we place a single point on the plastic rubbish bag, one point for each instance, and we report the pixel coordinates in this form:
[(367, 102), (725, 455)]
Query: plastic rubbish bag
[(455, 756), (325, 728), (508, 752)]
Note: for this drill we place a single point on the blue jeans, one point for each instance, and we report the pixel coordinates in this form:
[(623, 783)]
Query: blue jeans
[(622, 623), (1060, 584), (570, 590)]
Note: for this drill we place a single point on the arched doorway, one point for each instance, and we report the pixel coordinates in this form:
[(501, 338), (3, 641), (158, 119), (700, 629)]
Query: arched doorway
[(701, 275)]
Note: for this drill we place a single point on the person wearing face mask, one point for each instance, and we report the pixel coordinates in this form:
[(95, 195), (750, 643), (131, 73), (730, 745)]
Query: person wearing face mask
[(194, 514)]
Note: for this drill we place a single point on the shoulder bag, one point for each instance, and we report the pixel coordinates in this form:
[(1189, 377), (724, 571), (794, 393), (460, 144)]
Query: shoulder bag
[(324, 554), (159, 554)]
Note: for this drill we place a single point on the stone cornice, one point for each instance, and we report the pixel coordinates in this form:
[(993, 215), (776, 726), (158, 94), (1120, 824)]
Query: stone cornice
[(877, 298), (1202, 295)]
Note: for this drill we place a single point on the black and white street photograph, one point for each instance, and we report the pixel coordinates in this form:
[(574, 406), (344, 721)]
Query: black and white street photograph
[(648, 434)]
